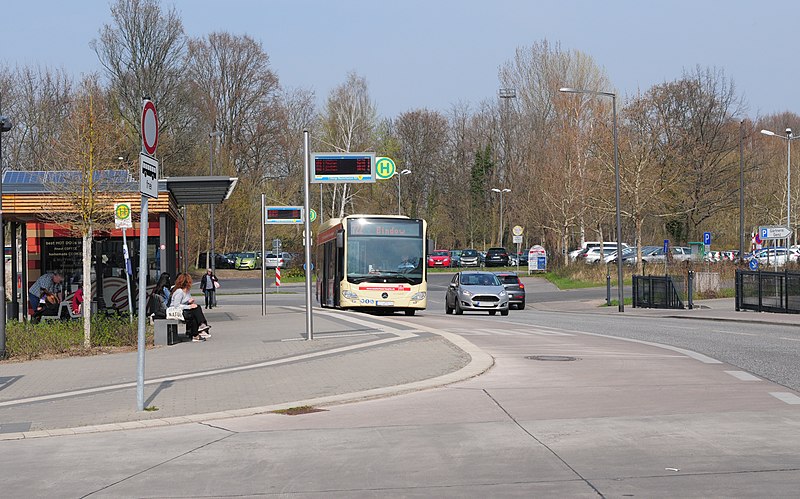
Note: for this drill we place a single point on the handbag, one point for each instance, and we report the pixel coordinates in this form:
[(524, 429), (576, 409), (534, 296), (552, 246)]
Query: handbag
[(216, 284), (175, 314)]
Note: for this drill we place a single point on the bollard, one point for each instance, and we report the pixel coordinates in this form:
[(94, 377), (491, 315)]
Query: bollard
[(608, 290), (690, 285)]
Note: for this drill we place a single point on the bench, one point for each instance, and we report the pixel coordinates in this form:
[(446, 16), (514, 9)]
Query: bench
[(64, 310), (165, 331)]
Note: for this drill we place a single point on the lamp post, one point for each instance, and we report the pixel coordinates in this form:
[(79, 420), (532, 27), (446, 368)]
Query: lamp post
[(398, 174), (211, 137), (501, 233), (5, 126), (568, 90), (788, 138)]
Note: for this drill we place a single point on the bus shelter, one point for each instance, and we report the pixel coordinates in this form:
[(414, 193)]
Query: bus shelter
[(42, 240)]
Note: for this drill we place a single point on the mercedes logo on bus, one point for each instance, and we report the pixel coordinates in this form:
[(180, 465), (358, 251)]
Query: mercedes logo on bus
[(384, 295)]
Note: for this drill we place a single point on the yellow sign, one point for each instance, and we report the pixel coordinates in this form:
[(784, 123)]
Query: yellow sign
[(122, 216), (517, 230), (384, 168)]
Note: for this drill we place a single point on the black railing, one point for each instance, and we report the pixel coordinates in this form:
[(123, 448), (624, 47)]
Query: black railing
[(651, 291), (768, 291)]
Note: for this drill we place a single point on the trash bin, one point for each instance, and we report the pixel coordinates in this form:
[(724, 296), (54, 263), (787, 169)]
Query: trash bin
[(12, 311)]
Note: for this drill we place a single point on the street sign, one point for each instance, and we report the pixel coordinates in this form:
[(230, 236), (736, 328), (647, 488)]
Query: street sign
[(773, 232), (148, 176), (312, 215), (149, 127), (284, 215), (666, 246), (706, 238), (122, 216), (336, 167), (517, 239), (753, 264), (517, 230), (384, 168)]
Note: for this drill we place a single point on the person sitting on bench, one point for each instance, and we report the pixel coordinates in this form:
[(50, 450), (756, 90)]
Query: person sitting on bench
[(195, 320), (48, 305)]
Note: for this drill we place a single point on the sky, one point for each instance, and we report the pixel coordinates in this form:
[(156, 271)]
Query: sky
[(433, 54)]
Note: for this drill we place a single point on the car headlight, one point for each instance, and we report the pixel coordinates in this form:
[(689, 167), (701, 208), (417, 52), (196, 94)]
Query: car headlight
[(350, 295), (466, 293), (502, 293), (419, 296)]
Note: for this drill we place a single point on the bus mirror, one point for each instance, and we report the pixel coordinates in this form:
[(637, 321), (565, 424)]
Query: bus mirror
[(340, 239)]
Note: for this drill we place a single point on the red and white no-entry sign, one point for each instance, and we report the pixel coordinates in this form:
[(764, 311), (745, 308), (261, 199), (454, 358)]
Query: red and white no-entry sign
[(149, 127)]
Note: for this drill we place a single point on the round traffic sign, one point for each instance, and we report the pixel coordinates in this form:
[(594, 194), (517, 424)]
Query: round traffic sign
[(149, 127), (312, 215), (517, 230), (385, 168), (753, 264), (123, 211)]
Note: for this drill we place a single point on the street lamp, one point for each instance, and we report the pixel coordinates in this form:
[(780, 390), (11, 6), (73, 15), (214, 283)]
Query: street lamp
[(788, 138), (211, 137), (398, 174), (5, 126), (501, 191), (568, 90)]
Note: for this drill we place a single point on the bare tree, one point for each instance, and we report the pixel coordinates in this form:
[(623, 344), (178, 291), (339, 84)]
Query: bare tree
[(348, 123)]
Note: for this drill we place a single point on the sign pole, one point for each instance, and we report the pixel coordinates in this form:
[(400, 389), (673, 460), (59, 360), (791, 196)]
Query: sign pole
[(307, 234), (127, 271), (263, 257)]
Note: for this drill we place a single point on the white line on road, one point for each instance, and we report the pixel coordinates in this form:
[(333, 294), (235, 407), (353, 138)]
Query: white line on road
[(790, 339), (731, 332), (789, 398), (743, 376)]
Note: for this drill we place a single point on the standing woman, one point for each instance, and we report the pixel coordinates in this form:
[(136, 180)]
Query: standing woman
[(209, 285), (182, 297)]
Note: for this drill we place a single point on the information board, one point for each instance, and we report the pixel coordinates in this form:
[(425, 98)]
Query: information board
[(284, 214), (331, 167)]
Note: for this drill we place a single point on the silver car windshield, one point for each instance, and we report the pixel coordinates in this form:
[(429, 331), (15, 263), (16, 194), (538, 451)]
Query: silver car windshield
[(479, 280)]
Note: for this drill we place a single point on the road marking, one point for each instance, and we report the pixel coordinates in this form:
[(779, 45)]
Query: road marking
[(743, 376), (731, 332), (790, 339), (789, 398)]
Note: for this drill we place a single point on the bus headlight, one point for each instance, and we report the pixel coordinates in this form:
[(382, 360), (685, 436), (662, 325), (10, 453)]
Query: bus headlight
[(350, 295), (419, 296)]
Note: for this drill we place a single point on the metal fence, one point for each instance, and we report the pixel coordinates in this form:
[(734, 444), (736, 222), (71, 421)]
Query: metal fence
[(651, 291), (768, 291)]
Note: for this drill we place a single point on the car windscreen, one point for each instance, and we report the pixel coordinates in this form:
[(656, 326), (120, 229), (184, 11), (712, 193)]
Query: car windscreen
[(469, 253), (479, 280), (508, 279)]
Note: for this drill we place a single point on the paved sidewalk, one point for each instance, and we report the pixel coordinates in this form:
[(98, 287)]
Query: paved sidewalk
[(250, 365)]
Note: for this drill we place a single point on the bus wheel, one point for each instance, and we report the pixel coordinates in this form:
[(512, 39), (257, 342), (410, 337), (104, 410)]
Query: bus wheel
[(410, 312)]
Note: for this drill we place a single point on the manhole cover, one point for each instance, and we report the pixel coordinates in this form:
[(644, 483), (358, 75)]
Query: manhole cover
[(556, 358)]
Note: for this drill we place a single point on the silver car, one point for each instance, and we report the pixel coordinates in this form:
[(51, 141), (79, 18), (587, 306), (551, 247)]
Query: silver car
[(476, 291)]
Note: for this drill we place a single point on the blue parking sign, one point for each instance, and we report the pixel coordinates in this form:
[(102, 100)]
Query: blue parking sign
[(706, 238), (753, 264)]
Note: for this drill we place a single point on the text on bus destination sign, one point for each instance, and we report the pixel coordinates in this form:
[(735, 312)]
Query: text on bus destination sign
[(343, 166), (385, 229)]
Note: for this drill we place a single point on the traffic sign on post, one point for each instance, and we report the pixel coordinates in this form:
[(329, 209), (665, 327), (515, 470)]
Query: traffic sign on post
[(773, 232), (706, 238), (384, 168), (122, 215), (148, 176), (149, 128)]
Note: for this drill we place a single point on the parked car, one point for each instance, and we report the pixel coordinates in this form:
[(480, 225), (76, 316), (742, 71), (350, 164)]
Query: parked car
[(514, 288), (248, 261), (592, 255), (496, 257), (776, 256), (470, 258), (439, 258), (273, 260), (574, 254), (221, 261), (628, 256), (476, 291), (520, 258), (455, 258), (678, 254)]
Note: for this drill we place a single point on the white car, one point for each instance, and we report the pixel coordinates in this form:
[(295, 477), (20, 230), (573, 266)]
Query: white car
[(272, 260), (776, 256), (593, 255)]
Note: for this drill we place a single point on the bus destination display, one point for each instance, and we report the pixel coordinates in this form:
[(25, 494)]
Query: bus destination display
[(284, 214), (343, 167), (410, 228)]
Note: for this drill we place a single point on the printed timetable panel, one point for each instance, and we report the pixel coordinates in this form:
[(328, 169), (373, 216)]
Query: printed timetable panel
[(329, 167)]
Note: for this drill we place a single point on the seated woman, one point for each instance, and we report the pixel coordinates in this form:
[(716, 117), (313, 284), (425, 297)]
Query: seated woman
[(48, 305), (195, 320), (77, 301)]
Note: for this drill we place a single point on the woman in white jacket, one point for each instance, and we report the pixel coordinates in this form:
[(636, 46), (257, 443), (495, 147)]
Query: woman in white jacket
[(195, 319)]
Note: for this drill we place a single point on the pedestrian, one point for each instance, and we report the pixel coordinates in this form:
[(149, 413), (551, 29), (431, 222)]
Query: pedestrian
[(209, 284), (193, 314), (50, 283)]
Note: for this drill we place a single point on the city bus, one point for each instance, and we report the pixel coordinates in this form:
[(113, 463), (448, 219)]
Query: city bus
[(372, 262)]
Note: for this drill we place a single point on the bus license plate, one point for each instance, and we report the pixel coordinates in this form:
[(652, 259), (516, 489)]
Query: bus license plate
[(384, 303)]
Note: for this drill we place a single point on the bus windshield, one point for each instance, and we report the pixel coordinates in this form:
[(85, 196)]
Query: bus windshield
[(385, 250)]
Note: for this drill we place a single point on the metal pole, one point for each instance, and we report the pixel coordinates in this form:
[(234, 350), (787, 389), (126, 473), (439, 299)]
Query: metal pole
[(141, 306), (185, 242), (263, 256), (789, 180), (307, 234), (398, 192), (4, 126), (211, 173), (127, 275), (741, 190), (620, 291)]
